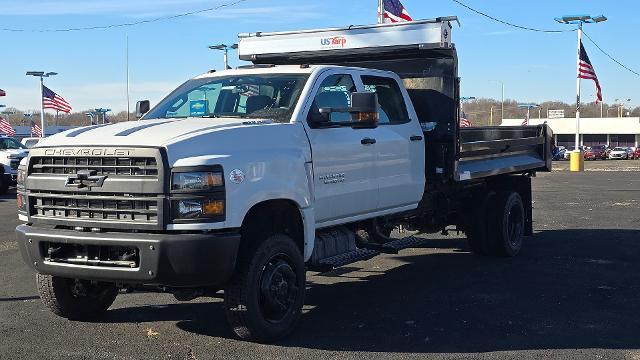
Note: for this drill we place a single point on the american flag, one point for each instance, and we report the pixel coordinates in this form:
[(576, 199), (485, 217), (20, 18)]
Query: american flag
[(394, 11), (6, 128), (252, 90), (464, 122), (586, 71), (2, 93), (51, 100), (36, 131)]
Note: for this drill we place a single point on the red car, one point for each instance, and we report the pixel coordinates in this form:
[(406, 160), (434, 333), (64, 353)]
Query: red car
[(636, 154), (598, 152)]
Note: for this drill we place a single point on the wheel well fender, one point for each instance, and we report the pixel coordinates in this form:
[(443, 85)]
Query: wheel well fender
[(279, 216)]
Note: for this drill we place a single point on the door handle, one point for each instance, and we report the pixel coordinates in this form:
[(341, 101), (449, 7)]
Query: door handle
[(368, 141), (416, 138)]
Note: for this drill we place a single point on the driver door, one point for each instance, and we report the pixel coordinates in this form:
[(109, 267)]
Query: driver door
[(343, 158)]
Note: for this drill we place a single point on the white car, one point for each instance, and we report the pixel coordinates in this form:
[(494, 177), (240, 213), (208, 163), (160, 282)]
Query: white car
[(619, 153), (11, 153)]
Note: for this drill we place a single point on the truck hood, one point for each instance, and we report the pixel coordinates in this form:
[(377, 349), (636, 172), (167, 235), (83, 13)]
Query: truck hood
[(154, 132)]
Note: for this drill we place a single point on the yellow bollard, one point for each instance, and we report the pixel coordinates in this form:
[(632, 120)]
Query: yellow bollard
[(577, 161)]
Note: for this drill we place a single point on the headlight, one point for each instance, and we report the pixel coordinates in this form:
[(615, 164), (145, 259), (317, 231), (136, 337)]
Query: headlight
[(20, 177), (197, 181), (192, 209), (21, 202)]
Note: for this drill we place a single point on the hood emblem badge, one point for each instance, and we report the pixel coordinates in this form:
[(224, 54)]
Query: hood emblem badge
[(85, 180), (236, 176)]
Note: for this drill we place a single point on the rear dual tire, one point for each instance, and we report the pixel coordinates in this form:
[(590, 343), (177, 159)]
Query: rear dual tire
[(498, 225)]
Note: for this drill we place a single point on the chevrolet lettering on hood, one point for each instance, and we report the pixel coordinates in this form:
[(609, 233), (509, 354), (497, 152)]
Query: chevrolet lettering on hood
[(89, 152)]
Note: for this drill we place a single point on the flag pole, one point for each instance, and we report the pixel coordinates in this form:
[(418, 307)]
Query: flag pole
[(578, 88), (42, 104), (380, 11), (128, 87)]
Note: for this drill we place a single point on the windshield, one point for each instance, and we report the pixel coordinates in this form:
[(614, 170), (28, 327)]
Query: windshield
[(268, 96), (10, 144), (620, 149)]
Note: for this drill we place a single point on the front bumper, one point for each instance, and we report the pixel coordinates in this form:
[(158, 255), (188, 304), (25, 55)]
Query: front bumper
[(174, 260)]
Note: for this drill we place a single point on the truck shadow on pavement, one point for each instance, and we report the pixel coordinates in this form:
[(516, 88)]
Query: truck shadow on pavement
[(569, 289)]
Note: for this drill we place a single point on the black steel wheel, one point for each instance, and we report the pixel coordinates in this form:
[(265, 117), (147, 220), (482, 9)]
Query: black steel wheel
[(506, 225), (264, 299)]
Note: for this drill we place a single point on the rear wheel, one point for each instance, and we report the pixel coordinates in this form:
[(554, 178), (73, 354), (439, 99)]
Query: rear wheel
[(264, 299), (506, 224), (75, 299)]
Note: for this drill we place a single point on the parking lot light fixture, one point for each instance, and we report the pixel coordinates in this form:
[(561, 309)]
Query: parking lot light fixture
[(225, 49)]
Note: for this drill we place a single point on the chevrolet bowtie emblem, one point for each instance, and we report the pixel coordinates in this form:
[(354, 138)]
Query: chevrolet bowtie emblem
[(85, 179)]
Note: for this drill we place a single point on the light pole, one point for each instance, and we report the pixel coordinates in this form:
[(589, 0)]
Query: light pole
[(465, 99), (528, 106), (90, 116), (502, 106), (579, 20), (104, 114), (41, 75), (621, 107), (225, 49)]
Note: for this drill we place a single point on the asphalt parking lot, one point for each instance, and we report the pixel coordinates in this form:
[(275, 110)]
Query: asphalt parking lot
[(573, 293)]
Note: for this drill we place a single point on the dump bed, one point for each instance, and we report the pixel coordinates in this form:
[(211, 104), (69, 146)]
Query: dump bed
[(425, 58), (496, 150)]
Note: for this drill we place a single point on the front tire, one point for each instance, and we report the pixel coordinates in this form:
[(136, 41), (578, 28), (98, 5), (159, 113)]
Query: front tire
[(75, 299), (263, 301)]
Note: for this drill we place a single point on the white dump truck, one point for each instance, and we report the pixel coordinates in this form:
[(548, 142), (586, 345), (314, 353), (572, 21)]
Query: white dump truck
[(243, 180)]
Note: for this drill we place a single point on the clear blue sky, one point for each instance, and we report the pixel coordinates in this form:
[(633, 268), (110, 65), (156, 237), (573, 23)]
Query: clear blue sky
[(533, 66)]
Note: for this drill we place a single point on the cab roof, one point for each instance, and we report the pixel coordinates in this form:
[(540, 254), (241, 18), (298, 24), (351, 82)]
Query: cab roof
[(270, 69)]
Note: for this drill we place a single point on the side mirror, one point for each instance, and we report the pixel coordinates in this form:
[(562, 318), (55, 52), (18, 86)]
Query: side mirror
[(142, 107), (363, 110)]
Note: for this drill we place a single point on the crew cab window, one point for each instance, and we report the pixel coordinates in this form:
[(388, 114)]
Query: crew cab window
[(334, 92), (393, 109)]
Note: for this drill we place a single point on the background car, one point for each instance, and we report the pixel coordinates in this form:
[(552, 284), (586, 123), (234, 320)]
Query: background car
[(559, 153), (596, 152), (636, 154), (30, 141), (11, 153), (619, 153), (631, 153)]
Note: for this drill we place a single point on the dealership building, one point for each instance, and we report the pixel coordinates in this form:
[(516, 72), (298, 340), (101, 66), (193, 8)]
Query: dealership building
[(624, 132)]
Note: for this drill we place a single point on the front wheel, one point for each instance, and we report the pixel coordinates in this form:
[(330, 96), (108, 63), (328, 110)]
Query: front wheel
[(75, 299), (264, 299)]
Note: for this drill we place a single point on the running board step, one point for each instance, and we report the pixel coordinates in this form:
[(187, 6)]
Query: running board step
[(393, 247), (405, 243), (347, 258)]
